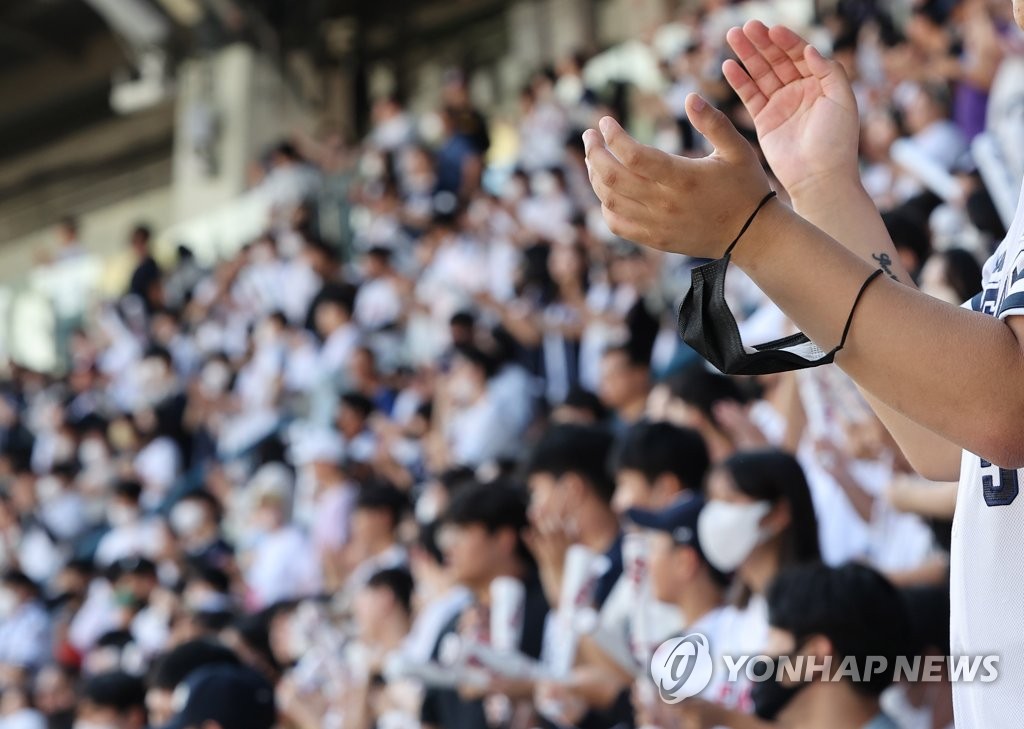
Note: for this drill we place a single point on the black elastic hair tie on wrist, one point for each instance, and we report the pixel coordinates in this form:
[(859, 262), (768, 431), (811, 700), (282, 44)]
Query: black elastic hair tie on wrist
[(750, 221), (849, 321)]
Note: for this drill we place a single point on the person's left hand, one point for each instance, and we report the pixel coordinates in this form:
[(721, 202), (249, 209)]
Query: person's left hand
[(690, 206)]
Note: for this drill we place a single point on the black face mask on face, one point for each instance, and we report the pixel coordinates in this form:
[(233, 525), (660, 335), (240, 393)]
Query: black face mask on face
[(771, 696), (708, 326)]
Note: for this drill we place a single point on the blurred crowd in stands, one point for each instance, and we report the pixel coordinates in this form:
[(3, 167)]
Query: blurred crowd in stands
[(459, 471)]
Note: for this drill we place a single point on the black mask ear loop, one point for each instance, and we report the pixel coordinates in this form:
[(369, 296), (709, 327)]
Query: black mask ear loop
[(750, 221), (849, 322)]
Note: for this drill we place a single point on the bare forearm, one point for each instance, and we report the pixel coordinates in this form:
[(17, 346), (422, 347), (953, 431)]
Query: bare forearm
[(955, 372), (845, 211)]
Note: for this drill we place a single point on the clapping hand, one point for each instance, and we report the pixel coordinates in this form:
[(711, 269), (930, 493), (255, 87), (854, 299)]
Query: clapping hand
[(803, 106), (690, 206)]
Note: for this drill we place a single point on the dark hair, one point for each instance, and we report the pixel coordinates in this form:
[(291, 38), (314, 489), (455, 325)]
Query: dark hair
[(287, 149), (174, 666), (398, 582), (19, 579), (116, 690), (215, 577), (142, 233), (426, 539), (847, 41), (383, 497), (634, 355), (358, 402), (703, 389), (494, 506), (579, 398), (909, 231), (463, 318), (854, 606), (479, 359), (580, 449), (160, 353), (128, 489), (338, 294), (774, 476), (660, 448), (963, 273)]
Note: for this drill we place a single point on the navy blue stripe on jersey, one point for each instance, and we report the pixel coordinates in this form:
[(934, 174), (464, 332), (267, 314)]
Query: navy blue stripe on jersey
[(1013, 301), (976, 302)]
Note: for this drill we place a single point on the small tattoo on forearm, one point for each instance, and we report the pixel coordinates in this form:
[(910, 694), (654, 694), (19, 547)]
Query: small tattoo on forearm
[(885, 261)]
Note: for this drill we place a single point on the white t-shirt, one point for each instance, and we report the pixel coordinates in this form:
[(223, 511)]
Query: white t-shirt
[(986, 595), (284, 567), (728, 630)]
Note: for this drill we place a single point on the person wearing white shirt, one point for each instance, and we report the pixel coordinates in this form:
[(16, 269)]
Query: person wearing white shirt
[(682, 576), (340, 335), (282, 563), (131, 534), (373, 545), (379, 300), (477, 430), (24, 625)]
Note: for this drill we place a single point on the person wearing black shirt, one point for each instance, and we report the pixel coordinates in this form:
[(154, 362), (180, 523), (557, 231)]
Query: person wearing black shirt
[(481, 537), (146, 278)]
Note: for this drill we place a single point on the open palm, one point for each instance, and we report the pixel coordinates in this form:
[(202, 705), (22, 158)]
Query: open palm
[(803, 107)]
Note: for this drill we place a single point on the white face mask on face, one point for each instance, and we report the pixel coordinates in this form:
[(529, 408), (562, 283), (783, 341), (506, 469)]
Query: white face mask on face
[(186, 518), (729, 532)]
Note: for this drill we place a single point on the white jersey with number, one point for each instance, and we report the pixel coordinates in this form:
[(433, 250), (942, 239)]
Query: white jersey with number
[(987, 561)]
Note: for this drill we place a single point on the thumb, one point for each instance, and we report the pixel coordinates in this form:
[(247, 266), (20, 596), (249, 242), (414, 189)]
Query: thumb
[(716, 128)]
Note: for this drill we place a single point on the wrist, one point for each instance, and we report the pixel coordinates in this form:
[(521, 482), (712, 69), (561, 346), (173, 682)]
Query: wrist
[(764, 233), (823, 192)]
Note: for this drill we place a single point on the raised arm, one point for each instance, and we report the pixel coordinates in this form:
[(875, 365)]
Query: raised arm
[(956, 372), (808, 127)]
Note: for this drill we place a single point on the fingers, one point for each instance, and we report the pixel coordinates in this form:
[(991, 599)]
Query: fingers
[(757, 65), (792, 45), (716, 128), (638, 158), (819, 66), (781, 63), (744, 87), (610, 174)]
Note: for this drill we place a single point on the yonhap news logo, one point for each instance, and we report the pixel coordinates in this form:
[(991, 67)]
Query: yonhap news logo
[(682, 667)]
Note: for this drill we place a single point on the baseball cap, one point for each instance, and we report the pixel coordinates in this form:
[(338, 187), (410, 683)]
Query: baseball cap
[(236, 697), (678, 520)]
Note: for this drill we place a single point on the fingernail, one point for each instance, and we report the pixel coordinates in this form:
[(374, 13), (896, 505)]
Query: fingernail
[(606, 125), (698, 103)]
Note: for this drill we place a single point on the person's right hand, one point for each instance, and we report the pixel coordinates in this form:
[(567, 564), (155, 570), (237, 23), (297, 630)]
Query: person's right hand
[(802, 105)]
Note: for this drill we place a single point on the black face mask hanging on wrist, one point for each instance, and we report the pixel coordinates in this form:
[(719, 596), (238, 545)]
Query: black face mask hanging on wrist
[(708, 326)]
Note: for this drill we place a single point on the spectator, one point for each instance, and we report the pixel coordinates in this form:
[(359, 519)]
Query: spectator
[(146, 281), (624, 384), (681, 575), (25, 628), (849, 612), (374, 542), (656, 463), (115, 700), (228, 697), (482, 540), (173, 668), (570, 501)]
